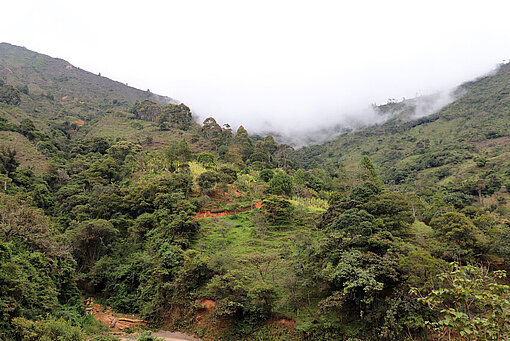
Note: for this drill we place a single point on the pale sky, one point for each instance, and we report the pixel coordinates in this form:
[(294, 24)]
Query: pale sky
[(293, 65)]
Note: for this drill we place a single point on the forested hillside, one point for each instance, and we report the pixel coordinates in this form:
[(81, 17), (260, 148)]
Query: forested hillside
[(466, 140), (394, 232)]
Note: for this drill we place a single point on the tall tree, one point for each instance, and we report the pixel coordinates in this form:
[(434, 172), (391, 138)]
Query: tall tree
[(8, 163), (243, 140)]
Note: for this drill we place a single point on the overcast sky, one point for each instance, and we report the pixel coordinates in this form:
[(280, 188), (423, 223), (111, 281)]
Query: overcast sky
[(288, 64)]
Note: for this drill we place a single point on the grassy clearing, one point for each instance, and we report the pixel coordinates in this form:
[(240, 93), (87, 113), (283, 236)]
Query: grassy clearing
[(236, 235), (316, 205), (422, 233), (26, 153)]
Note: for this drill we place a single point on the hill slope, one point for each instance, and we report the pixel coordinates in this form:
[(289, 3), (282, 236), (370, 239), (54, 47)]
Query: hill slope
[(67, 84), (466, 138)]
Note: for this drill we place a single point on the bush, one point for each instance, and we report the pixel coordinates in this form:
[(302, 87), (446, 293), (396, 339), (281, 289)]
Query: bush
[(266, 175), (473, 305), (49, 329), (281, 183), (9, 95)]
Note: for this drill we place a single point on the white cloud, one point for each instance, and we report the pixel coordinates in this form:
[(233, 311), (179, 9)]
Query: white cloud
[(295, 65)]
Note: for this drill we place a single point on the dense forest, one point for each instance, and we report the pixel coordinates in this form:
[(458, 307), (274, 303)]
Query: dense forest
[(398, 231)]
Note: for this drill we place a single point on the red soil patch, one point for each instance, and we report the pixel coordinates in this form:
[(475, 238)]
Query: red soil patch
[(202, 316), (208, 304), (79, 123), (284, 322)]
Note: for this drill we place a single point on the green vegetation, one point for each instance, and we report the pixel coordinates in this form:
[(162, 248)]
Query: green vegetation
[(125, 198)]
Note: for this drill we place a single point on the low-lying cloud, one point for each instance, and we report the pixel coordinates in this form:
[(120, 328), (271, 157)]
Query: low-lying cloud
[(313, 119)]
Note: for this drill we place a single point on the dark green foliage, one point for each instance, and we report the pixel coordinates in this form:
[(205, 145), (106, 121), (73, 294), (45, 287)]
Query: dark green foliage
[(9, 95), (266, 175), (128, 206), (27, 128), (178, 154), (244, 142), (90, 239), (227, 175), (121, 150), (207, 181), (281, 183), (8, 165), (206, 159), (278, 211), (246, 304), (393, 210), (460, 237), (37, 275), (146, 110), (48, 329), (175, 116)]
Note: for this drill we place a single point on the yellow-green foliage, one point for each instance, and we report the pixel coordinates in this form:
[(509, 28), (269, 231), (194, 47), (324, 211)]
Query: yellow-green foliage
[(312, 204), (152, 166), (196, 169), (118, 125)]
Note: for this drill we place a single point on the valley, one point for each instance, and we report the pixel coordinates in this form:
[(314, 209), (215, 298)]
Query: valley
[(121, 215)]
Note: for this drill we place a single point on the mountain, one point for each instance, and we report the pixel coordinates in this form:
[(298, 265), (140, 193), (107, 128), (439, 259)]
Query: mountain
[(68, 84), (63, 103), (110, 197), (468, 138)]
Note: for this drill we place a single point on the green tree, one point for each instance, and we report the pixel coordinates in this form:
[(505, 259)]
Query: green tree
[(9, 95), (207, 182), (243, 140), (281, 183), (27, 128), (90, 240), (368, 171), (278, 211), (266, 175), (146, 110), (177, 116), (459, 236), (206, 160), (178, 154), (8, 163), (212, 131)]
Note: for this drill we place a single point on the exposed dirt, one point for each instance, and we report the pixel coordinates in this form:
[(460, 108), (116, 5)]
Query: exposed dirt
[(116, 322), (79, 123), (284, 322), (208, 304)]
